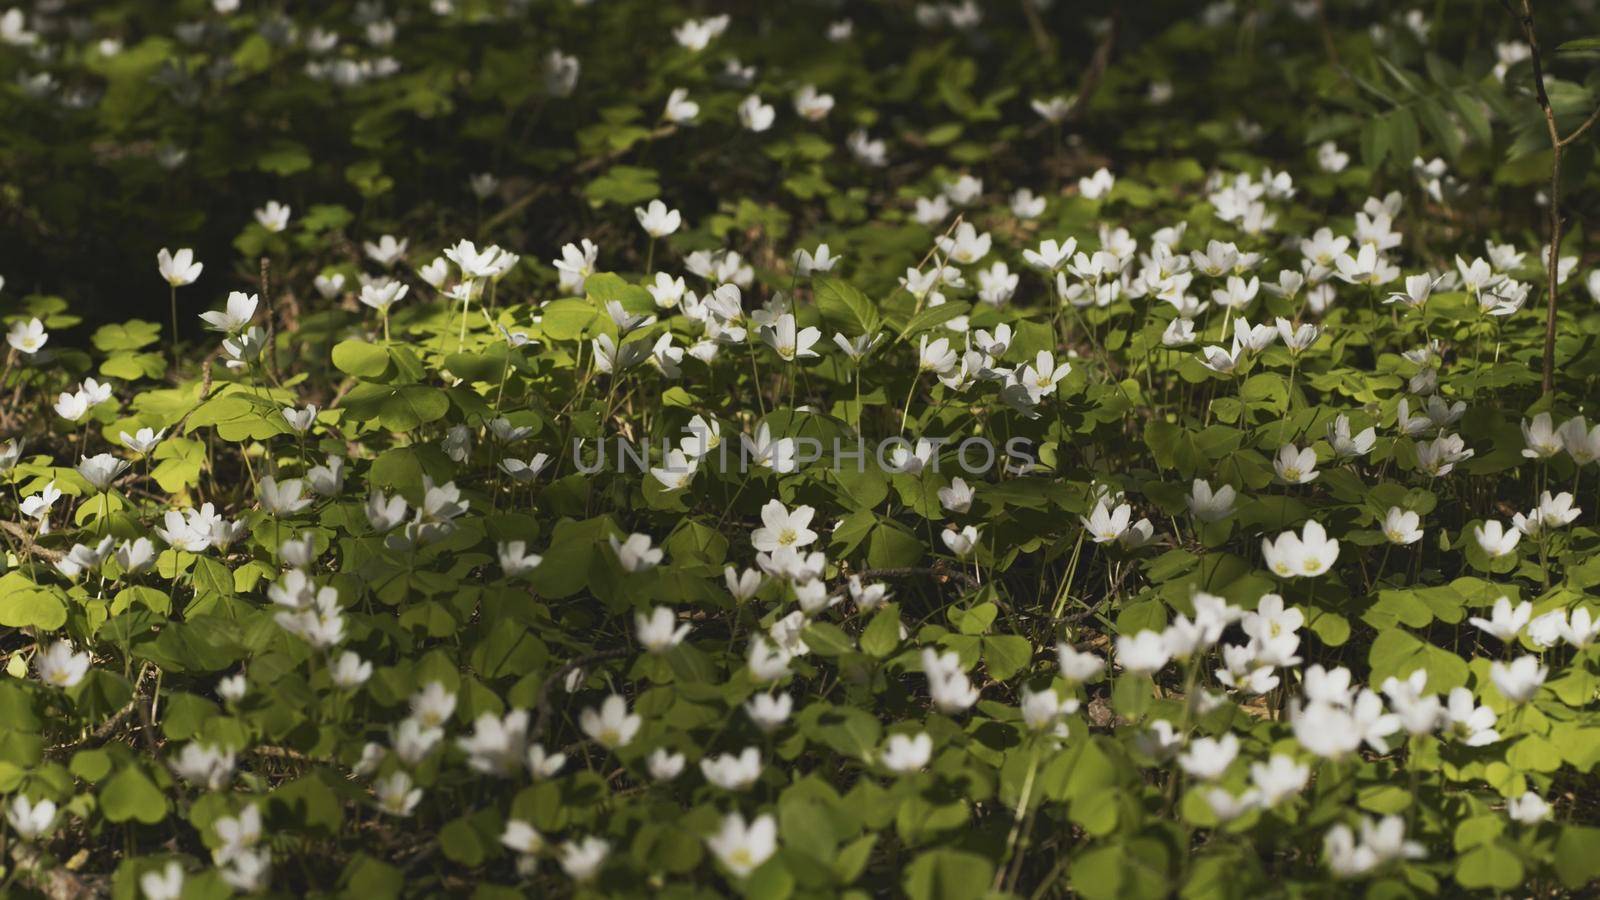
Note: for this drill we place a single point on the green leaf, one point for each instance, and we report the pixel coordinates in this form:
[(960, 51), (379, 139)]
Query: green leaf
[(844, 308), (624, 186), (24, 604), (1489, 866), (1005, 655), (131, 795), (933, 317), (284, 158), (882, 634), (360, 358), (566, 320), (948, 875)]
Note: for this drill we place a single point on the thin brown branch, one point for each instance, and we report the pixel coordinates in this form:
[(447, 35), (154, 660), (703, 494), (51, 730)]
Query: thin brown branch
[(1525, 20), (28, 545), (1582, 128), (941, 573), (542, 705), (1090, 83)]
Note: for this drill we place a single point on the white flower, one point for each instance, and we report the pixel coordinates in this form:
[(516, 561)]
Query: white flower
[(950, 688), (383, 293), (543, 764), (1330, 159), (659, 631), (1296, 466), (101, 470), (811, 104), (782, 528), (965, 245), (208, 767), (1495, 539), (134, 556), (515, 560), (1051, 255), (636, 554), (163, 884), (582, 859), (1207, 758), (413, 741), (386, 251), (1043, 710), (667, 291), (396, 794), (300, 420), (274, 216), (960, 542), (521, 837), (1552, 512), (1467, 722), (432, 705), (73, 407), (743, 848), (1025, 205), (1386, 839), (1278, 778), (1402, 526), (240, 309), (1506, 621), (576, 264), (179, 268), (965, 190), (1582, 442), (37, 506), (1078, 666), (733, 773), (782, 336), (1097, 185), (1105, 525), (385, 513), (906, 753), (1161, 741), (232, 688), (957, 497), (767, 663), (807, 263), (1144, 652), (1542, 439), (768, 711), (1518, 680), (497, 744), (695, 34), (664, 765), (29, 820), (1326, 730), (1309, 554), (27, 337), (756, 115), (1208, 505), (142, 441), (1228, 807), (1583, 628), (742, 585), (248, 870), (283, 499), (1529, 809), (350, 671), (60, 667), (657, 220), (611, 726), (680, 110), (1052, 109)]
